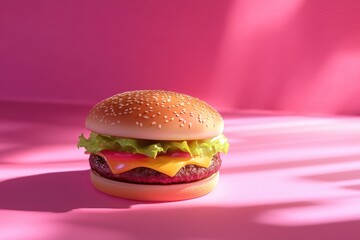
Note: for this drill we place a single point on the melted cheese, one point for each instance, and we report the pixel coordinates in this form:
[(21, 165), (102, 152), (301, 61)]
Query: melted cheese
[(164, 164)]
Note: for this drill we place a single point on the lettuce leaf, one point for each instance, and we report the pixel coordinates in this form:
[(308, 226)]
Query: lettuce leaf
[(205, 147)]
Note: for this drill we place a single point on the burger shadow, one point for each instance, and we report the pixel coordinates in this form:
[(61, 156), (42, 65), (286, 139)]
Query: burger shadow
[(56, 192)]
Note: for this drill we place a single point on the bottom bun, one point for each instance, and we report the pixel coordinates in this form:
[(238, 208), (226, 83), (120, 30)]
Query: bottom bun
[(158, 193)]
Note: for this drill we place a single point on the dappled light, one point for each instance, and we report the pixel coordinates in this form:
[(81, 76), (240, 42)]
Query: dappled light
[(282, 170)]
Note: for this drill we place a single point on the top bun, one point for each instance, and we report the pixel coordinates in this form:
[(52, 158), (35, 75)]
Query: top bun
[(155, 115)]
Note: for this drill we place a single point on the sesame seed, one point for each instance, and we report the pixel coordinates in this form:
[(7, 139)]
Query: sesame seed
[(141, 124), (166, 121), (137, 123), (159, 126), (181, 125), (153, 123), (145, 116), (159, 113), (177, 115), (190, 124)]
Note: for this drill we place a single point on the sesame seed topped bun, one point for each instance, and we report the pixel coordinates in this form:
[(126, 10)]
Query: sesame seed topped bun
[(155, 114)]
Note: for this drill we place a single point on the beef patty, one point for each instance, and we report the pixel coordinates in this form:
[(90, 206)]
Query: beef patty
[(143, 175)]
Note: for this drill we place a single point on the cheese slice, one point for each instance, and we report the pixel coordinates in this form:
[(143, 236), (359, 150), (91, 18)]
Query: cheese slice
[(164, 164)]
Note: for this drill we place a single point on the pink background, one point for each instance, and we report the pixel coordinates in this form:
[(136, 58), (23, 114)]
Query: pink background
[(283, 74), (297, 55)]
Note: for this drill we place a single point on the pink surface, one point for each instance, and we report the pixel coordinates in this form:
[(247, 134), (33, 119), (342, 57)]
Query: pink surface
[(297, 55), (286, 177)]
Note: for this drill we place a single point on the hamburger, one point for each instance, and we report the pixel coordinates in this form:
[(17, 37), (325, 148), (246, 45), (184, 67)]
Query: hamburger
[(154, 145)]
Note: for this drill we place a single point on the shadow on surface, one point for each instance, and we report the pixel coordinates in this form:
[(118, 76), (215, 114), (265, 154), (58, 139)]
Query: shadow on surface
[(207, 222), (353, 187), (55, 192), (27, 126), (66, 191), (336, 176), (293, 164)]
